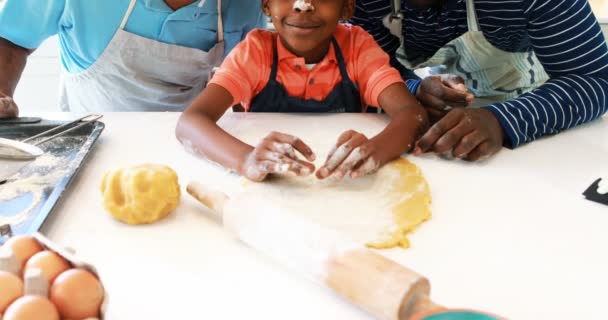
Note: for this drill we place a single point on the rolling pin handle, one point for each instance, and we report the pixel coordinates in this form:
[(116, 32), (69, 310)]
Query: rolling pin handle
[(212, 199)]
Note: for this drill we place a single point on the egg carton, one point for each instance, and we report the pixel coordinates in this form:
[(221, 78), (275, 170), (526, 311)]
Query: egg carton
[(39, 286)]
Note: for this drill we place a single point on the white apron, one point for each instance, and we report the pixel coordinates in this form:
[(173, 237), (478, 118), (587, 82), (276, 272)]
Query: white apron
[(492, 74), (139, 74)]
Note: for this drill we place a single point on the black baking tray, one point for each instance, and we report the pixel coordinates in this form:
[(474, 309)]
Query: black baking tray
[(28, 197)]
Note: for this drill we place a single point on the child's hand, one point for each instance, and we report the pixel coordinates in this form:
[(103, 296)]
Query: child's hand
[(277, 154), (352, 153)]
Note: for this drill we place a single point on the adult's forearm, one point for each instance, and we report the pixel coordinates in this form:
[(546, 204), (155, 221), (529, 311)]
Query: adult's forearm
[(561, 103), (12, 62)]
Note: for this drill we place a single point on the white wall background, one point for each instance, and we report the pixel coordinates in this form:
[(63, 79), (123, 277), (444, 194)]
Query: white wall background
[(39, 85), (38, 88)]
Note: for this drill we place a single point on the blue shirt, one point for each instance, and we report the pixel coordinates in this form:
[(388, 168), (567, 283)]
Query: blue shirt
[(86, 27), (564, 34)]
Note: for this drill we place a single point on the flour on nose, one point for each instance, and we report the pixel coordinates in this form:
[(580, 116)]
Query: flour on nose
[(304, 5)]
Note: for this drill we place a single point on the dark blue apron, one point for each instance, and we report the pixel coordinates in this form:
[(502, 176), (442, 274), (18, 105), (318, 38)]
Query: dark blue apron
[(274, 97)]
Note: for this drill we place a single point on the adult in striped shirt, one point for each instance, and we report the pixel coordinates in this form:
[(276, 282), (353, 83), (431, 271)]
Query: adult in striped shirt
[(537, 67)]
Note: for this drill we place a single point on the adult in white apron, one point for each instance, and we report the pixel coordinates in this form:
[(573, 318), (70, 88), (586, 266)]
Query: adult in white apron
[(490, 73), (139, 74)]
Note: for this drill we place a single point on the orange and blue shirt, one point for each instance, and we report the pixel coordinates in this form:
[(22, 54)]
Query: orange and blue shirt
[(246, 70)]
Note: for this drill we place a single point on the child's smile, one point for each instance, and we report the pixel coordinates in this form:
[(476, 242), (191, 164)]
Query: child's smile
[(302, 26), (306, 27)]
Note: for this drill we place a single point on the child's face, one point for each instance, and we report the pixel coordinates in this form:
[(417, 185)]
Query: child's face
[(307, 26)]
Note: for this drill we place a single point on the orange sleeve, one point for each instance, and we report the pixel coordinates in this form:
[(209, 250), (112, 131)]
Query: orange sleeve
[(245, 67), (374, 72)]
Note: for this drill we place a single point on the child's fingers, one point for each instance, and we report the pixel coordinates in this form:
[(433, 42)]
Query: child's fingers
[(304, 149), (282, 139), (283, 148), (341, 153), (358, 156), (297, 167), (284, 153), (368, 167), (274, 156), (341, 140), (336, 159), (259, 170), (275, 162), (302, 168)]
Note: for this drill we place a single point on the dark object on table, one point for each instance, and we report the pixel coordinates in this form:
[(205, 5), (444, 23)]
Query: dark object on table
[(20, 120), (28, 197), (6, 231), (592, 194)]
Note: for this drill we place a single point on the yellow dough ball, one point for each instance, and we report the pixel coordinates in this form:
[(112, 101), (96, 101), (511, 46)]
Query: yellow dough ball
[(141, 194)]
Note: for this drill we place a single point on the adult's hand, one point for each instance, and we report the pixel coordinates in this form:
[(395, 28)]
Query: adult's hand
[(440, 94), (8, 107), (469, 134)]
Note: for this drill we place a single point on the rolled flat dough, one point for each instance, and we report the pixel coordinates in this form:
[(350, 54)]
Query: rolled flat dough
[(378, 210)]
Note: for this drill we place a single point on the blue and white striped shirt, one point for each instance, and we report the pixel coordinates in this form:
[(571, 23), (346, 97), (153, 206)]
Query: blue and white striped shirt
[(564, 34)]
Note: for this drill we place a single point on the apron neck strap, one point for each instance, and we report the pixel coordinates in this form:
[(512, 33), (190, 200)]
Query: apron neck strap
[(337, 51), (127, 14), (220, 22), (472, 16), (340, 58), (396, 7), (220, 19), (275, 60)]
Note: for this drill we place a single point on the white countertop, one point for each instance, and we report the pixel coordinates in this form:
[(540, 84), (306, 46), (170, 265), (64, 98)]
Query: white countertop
[(512, 235)]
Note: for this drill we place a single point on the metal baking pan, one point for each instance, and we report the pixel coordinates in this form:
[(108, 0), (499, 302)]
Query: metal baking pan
[(29, 196)]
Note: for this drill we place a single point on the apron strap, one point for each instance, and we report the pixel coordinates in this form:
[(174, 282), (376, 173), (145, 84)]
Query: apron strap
[(220, 19), (340, 58), (472, 16), (275, 61), (127, 14), (396, 7), (220, 22)]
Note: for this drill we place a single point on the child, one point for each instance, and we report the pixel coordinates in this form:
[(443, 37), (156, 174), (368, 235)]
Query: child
[(312, 63)]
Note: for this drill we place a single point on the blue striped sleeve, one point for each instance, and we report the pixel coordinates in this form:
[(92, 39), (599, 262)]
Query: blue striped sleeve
[(368, 15), (568, 41)]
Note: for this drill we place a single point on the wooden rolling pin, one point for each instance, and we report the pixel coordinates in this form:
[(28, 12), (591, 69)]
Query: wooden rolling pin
[(385, 289)]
